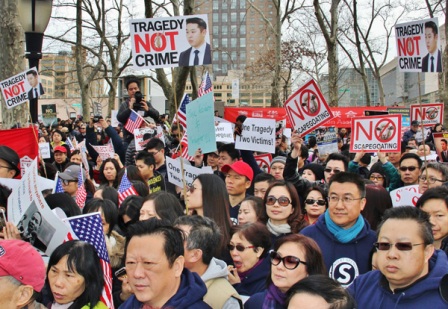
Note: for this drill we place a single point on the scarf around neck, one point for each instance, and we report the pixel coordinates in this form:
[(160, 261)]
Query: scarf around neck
[(278, 229), (341, 234), (273, 296)]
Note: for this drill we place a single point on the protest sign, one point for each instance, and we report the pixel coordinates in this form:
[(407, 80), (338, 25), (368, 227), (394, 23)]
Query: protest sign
[(164, 42), (405, 196), (307, 108), (23, 141), (104, 151), (44, 149), (28, 210), (258, 134), (441, 143), (113, 118), (429, 114), (376, 132), (160, 135), (143, 136), (201, 125), (235, 88), (173, 169), (418, 46), (49, 114), (264, 162), (224, 132), (13, 90), (327, 141)]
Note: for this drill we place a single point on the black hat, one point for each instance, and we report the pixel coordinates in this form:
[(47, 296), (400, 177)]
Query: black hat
[(317, 169), (366, 159), (415, 123), (10, 156)]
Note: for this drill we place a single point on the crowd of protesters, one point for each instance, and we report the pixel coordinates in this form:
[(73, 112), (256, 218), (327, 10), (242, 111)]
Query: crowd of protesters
[(314, 232)]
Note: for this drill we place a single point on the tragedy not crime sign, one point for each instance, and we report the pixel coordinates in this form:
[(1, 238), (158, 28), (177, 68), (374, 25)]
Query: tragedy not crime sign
[(170, 42), (376, 132), (307, 108)]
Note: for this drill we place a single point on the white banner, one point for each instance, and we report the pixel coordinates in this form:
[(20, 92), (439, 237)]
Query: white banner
[(175, 176), (405, 196), (142, 136), (224, 132), (45, 150), (258, 134)]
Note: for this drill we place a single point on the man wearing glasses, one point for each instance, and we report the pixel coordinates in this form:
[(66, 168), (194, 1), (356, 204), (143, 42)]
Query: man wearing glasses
[(410, 165), (9, 162), (335, 163), (409, 268), (433, 175), (342, 233)]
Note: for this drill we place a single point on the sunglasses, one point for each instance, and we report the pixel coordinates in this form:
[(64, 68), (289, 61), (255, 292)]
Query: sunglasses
[(329, 170), (402, 246), (282, 200), (405, 168), (376, 177), (191, 189), (310, 201), (239, 248), (67, 182), (290, 262)]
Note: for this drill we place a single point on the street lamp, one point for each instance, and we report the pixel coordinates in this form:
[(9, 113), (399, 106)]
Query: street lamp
[(34, 16)]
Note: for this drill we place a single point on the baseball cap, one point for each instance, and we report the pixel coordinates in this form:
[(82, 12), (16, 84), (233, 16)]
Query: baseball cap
[(241, 168), (72, 173), (10, 156), (20, 260), (61, 149)]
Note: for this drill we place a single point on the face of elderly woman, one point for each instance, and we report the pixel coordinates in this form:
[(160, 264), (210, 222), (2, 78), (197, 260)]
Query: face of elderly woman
[(248, 257), (65, 285)]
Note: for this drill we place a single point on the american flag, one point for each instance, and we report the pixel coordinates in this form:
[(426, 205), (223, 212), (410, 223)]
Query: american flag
[(81, 193), (70, 144), (206, 85), (58, 188), (184, 143), (125, 189), (182, 111), (134, 122), (89, 228)]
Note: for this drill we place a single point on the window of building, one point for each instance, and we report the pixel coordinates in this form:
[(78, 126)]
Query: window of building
[(215, 56), (224, 18), (215, 17), (224, 42), (215, 30), (216, 4), (242, 42), (233, 17), (233, 42), (224, 30)]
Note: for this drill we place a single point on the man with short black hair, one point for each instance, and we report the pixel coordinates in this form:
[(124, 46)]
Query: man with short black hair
[(201, 236), (342, 233), (409, 269), (261, 184), (432, 62), (146, 164), (410, 165), (411, 132), (144, 108), (444, 152), (155, 269), (199, 53)]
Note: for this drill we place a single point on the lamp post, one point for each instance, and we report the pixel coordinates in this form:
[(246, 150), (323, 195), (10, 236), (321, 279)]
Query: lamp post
[(34, 16)]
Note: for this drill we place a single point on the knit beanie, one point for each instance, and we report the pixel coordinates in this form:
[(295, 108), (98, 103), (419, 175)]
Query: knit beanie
[(317, 169)]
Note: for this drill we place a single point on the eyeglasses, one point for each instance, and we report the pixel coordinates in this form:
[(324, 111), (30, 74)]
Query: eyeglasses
[(154, 153), (290, 262), (329, 170), (402, 246), (310, 201), (405, 168), (429, 179), (239, 248), (376, 177), (192, 188), (334, 199), (7, 167), (282, 200), (67, 182)]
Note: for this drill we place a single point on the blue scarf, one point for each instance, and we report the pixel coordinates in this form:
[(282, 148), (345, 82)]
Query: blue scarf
[(344, 235), (273, 297)]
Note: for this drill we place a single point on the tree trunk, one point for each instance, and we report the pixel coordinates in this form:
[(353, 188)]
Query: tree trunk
[(443, 78), (11, 59), (359, 50)]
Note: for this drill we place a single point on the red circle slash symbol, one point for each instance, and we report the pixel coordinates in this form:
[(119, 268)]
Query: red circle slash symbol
[(385, 130), (310, 102), (432, 112)]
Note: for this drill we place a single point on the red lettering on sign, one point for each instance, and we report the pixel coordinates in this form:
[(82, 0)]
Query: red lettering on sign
[(409, 46), (144, 43), (359, 127), (15, 90), (297, 111)]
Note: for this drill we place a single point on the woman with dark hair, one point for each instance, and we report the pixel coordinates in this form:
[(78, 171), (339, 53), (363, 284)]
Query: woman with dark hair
[(251, 210), (208, 197), (133, 174), (378, 201), (107, 193), (129, 211), (108, 173), (58, 139), (315, 204), (294, 257), (162, 205), (75, 276), (319, 291), (313, 172), (249, 248), (65, 202), (76, 157), (283, 211), (140, 187)]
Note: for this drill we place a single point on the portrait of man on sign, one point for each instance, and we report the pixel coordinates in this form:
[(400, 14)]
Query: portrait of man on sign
[(199, 53), (36, 89), (432, 62)]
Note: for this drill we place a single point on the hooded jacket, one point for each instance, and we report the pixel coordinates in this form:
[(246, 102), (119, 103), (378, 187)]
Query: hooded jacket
[(189, 295), (220, 293), (344, 261), (255, 281), (372, 290)]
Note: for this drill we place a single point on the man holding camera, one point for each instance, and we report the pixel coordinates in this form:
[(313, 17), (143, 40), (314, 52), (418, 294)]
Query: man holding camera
[(134, 102)]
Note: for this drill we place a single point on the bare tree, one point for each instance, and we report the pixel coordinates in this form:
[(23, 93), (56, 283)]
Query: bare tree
[(11, 58)]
